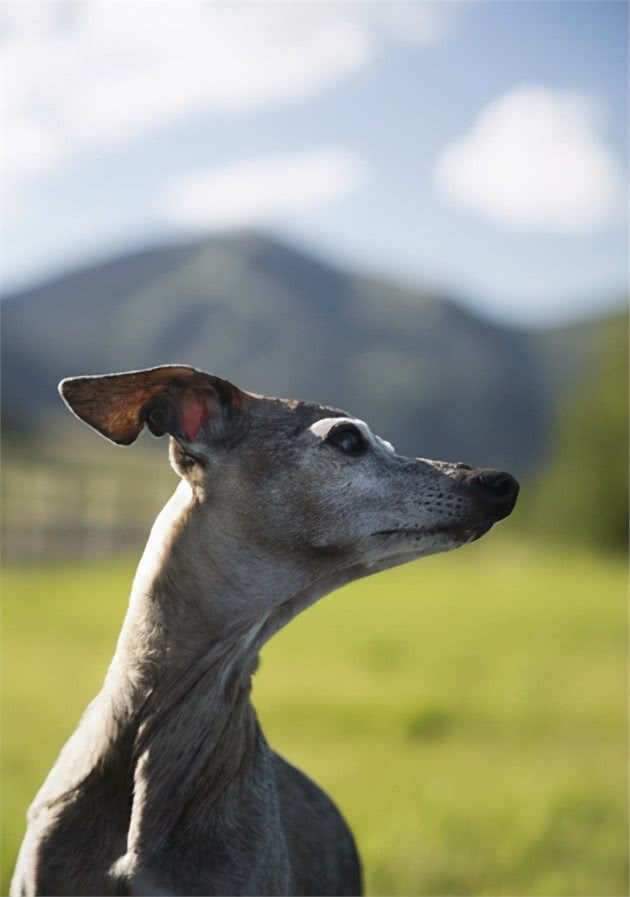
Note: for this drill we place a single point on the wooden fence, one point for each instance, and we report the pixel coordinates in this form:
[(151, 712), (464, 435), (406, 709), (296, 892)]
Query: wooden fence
[(63, 511)]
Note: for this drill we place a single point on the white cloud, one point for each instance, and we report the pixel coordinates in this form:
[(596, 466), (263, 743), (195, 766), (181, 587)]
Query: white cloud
[(260, 189), (535, 159), (80, 75)]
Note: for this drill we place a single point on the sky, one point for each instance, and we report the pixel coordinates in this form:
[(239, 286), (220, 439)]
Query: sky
[(476, 147)]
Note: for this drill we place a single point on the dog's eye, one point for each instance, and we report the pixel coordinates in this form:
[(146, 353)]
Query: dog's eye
[(348, 439)]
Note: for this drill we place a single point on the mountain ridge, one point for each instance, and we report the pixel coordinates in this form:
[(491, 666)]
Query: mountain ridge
[(426, 372)]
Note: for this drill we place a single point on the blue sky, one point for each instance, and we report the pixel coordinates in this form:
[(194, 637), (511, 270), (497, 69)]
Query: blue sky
[(476, 147)]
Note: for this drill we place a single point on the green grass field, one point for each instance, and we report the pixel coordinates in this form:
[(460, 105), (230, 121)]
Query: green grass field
[(467, 712)]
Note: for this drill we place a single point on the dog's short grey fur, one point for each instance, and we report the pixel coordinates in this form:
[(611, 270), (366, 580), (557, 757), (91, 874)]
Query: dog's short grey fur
[(168, 785)]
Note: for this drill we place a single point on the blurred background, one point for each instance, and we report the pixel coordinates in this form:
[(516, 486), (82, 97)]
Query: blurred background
[(414, 211)]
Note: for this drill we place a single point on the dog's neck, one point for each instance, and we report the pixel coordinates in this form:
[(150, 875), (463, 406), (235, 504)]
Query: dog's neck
[(185, 605), (180, 678), (202, 605), (172, 734)]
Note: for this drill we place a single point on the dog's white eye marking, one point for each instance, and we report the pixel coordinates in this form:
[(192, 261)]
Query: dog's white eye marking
[(386, 445), (321, 429)]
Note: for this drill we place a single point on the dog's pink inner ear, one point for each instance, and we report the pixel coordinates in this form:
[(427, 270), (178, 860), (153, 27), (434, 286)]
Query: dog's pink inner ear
[(195, 410)]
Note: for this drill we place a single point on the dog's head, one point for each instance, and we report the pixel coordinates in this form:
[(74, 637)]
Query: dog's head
[(295, 479)]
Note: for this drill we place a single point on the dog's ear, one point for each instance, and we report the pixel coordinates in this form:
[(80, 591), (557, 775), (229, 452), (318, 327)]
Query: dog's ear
[(194, 407)]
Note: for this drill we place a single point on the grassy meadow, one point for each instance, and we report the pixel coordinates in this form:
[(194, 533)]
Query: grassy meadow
[(467, 712)]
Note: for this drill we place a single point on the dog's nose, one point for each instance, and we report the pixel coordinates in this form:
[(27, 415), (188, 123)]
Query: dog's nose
[(498, 489)]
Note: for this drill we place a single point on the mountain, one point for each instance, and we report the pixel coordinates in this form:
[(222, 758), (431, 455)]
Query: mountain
[(428, 375)]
